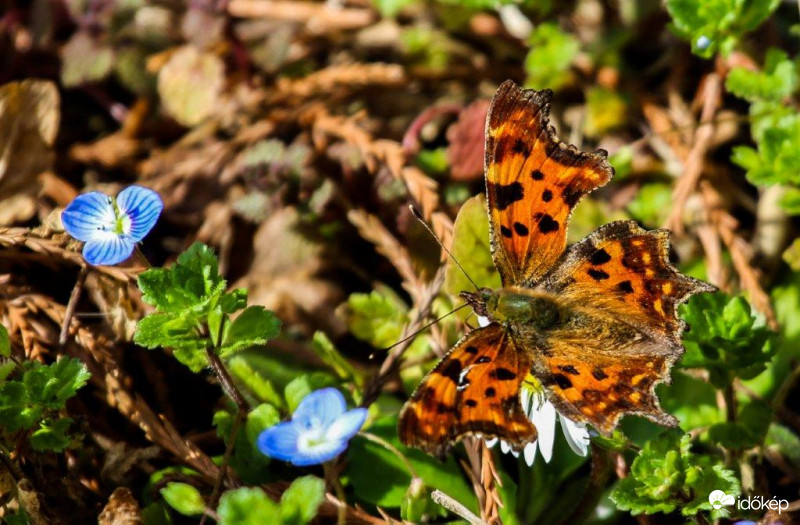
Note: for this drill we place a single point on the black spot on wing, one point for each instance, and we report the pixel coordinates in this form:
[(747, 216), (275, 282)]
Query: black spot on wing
[(600, 257), (521, 147), (451, 370), (625, 287), (571, 195), (546, 223), (562, 381), (483, 359), (471, 350), (505, 232), (502, 374), (547, 195), (490, 392), (597, 275), (521, 229), (471, 403), (506, 194), (569, 369), (537, 175), (599, 374)]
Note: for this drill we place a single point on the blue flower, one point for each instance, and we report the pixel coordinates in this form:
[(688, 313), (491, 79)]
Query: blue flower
[(318, 432), (112, 227)]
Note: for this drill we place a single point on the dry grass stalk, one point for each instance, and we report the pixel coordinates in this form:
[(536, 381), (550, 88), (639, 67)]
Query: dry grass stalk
[(317, 17), (695, 161), (334, 78), (107, 374)]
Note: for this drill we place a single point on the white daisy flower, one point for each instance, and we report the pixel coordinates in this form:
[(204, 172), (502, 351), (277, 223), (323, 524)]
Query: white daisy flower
[(543, 415)]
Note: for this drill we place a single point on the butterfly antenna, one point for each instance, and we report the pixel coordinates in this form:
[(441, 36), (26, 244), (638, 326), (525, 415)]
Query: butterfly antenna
[(419, 217), (403, 340)]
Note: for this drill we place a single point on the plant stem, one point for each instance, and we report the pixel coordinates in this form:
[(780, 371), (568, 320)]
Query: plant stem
[(601, 470), (391, 448), (72, 304), (142, 259), (333, 481), (226, 382)]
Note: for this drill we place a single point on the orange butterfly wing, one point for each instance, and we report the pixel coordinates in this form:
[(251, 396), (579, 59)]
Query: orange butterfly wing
[(626, 334), (533, 181), (473, 390)]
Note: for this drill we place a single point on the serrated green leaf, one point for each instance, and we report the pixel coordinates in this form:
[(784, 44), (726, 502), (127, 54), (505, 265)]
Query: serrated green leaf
[(301, 500), (53, 384), (778, 79), (184, 498), (254, 326), (248, 462), (667, 476), (247, 506), (52, 435), (725, 338), (16, 410)]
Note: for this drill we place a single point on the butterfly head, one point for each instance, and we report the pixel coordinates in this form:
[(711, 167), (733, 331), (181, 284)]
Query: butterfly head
[(483, 302)]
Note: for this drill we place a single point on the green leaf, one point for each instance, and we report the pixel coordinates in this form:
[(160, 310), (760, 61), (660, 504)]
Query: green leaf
[(247, 506), (717, 25), (301, 500), (666, 476), (325, 350), (378, 317), (606, 110), (725, 338), (551, 55), (53, 384), (749, 429), (470, 247), (248, 462), (254, 326), (5, 342), (253, 381), (184, 498), (52, 435), (301, 386), (651, 204), (778, 79), (16, 409), (388, 489)]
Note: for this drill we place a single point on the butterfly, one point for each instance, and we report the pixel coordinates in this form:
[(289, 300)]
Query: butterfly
[(595, 323)]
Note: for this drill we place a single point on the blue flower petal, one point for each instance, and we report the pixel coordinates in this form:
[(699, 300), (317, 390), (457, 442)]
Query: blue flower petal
[(280, 441), (88, 215), (107, 249), (320, 408), (347, 425), (143, 206), (319, 453)]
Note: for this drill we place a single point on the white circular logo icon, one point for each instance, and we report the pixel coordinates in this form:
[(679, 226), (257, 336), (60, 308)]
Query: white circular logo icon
[(718, 499)]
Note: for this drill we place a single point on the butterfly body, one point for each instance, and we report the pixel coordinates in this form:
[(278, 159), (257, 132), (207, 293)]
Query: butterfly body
[(595, 323)]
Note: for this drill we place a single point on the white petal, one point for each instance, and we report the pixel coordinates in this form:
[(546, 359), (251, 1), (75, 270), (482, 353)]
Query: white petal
[(504, 447), (491, 442), (347, 425), (514, 453), (529, 453), (544, 419), (515, 22), (483, 321), (577, 435)]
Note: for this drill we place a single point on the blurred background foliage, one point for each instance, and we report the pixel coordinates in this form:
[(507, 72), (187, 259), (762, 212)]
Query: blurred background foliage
[(290, 136)]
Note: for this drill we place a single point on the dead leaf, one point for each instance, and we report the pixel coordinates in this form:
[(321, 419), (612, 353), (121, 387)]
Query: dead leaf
[(190, 84)]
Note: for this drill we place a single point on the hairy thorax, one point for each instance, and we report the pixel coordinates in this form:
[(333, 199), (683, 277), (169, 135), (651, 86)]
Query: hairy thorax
[(517, 306)]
